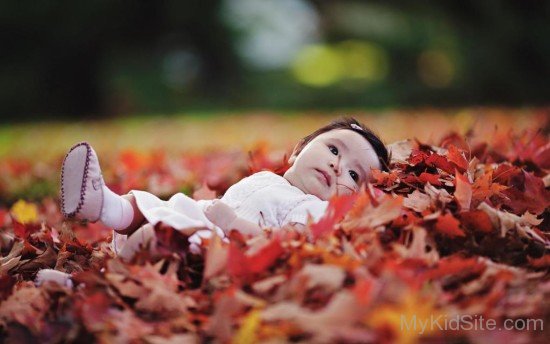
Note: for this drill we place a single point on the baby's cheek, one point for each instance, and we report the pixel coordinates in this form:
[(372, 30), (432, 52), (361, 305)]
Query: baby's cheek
[(343, 190)]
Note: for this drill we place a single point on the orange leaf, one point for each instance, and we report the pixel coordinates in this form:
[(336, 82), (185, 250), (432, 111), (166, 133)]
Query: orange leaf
[(265, 257), (484, 187), (363, 291), (457, 157), (429, 178), (440, 162), (476, 220), (447, 224), (241, 265), (453, 265), (337, 208)]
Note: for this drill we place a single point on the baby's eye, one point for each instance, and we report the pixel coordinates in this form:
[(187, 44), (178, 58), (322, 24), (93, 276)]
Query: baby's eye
[(333, 149), (354, 175)]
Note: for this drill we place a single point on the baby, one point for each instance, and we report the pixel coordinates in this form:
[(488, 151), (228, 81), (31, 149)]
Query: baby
[(333, 160)]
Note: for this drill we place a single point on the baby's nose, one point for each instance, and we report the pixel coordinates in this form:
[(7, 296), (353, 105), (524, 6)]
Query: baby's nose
[(335, 168)]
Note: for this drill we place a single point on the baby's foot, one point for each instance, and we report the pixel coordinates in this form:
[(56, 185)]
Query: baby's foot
[(81, 184), (50, 275)]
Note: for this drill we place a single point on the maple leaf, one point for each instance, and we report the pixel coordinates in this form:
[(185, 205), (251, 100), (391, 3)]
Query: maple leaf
[(541, 157), (216, 258), (372, 216), (131, 160), (93, 309), (440, 162), (3, 217), (463, 192), (527, 194), (429, 178), (329, 277), (342, 310), (247, 331), (453, 265), (386, 179), (408, 308), (449, 225), (455, 156), (204, 193), (338, 207), (401, 150), (484, 187), (417, 201), (477, 220), (241, 265), (27, 305)]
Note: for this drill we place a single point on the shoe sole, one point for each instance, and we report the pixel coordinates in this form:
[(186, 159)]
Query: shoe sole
[(73, 189)]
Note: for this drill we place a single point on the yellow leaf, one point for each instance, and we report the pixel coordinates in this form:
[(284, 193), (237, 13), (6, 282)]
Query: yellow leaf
[(25, 212), (401, 317), (247, 332)]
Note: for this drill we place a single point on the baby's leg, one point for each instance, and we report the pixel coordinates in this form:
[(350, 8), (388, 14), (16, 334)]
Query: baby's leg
[(84, 195), (138, 218)]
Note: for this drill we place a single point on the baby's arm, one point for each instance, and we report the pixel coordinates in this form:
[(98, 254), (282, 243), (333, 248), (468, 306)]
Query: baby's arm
[(224, 217)]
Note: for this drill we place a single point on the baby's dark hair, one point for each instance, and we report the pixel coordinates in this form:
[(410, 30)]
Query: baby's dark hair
[(350, 124)]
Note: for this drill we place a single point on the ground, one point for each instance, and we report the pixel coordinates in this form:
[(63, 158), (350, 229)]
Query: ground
[(461, 231)]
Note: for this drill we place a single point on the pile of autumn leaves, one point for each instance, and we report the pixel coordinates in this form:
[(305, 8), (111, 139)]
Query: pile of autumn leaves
[(463, 228)]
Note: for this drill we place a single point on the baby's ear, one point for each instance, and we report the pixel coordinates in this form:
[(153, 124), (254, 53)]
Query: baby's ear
[(291, 159)]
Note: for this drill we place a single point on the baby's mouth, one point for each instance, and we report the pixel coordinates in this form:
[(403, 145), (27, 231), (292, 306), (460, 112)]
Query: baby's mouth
[(326, 176)]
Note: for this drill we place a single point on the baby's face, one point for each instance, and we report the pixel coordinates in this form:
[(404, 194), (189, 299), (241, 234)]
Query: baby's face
[(334, 163)]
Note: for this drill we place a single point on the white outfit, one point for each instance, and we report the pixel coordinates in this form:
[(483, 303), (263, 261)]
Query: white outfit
[(264, 198)]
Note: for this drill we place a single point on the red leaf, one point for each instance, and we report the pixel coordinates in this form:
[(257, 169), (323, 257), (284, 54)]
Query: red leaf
[(92, 232), (265, 257), (93, 310), (3, 216), (504, 173), (542, 156), (528, 194), (363, 291), (440, 162), (448, 225), (236, 261), (457, 157), (476, 220), (429, 178), (23, 231), (454, 265), (417, 157), (241, 265), (337, 208)]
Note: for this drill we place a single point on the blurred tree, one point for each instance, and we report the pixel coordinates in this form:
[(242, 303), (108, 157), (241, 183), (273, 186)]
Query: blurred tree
[(101, 57)]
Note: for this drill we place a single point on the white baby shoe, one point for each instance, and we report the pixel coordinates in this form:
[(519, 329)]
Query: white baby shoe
[(81, 184)]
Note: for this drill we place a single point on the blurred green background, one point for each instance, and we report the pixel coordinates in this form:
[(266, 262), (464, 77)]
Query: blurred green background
[(105, 58)]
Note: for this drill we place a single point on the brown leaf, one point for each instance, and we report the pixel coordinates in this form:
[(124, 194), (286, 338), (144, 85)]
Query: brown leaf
[(26, 306)]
